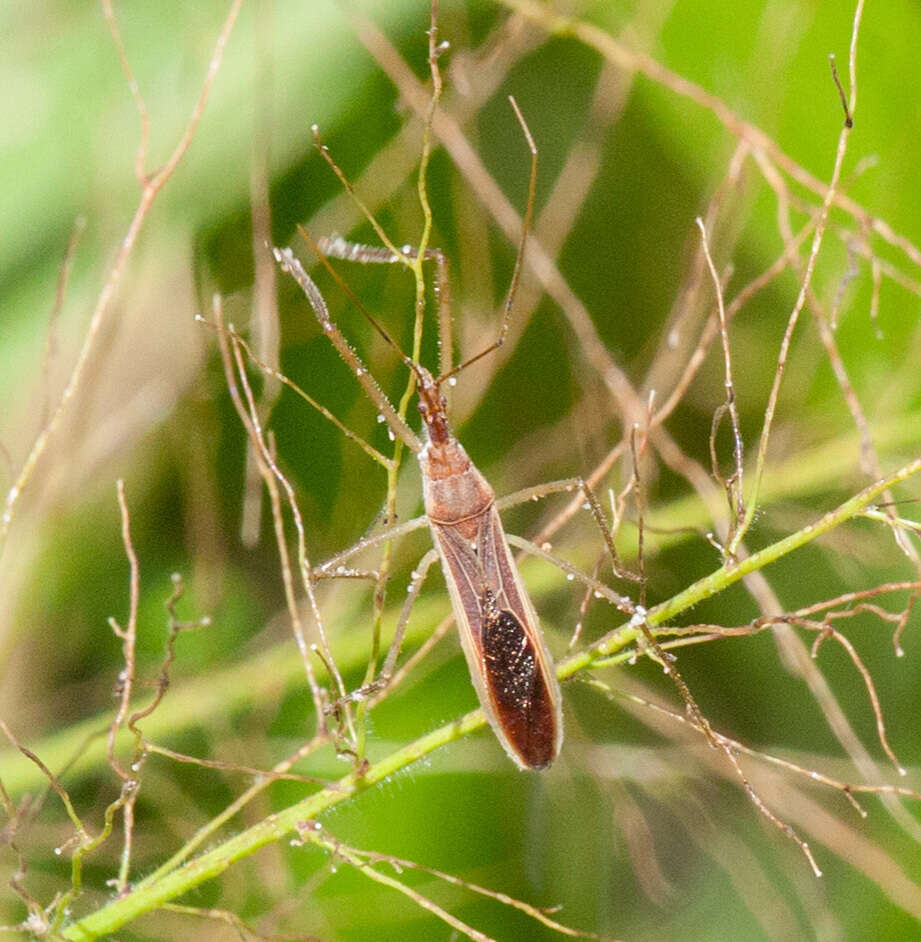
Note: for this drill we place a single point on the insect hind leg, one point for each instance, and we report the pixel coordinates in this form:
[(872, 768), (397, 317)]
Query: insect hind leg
[(383, 679)]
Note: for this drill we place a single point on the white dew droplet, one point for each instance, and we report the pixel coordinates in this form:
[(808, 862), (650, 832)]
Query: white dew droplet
[(380, 418), (570, 576), (452, 381)]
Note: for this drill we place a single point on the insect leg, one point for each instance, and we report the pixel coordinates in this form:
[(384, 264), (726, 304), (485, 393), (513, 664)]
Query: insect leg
[(337, 247), (382, 681), (291, 264)]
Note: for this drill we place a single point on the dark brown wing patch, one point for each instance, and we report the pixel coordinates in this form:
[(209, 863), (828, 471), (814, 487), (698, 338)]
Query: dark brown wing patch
[(522, 702)]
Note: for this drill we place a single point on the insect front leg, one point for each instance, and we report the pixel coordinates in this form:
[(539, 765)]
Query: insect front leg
[(337, 247), (290, 264)]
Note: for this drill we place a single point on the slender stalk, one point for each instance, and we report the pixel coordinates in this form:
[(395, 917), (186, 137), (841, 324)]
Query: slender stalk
[(277, 826)]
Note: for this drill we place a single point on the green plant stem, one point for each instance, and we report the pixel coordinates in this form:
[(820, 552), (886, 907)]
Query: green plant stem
[(147, 897), (275, 827)]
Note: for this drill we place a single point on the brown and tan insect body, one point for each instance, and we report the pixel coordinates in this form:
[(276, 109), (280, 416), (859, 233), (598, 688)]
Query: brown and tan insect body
[(508, 660)]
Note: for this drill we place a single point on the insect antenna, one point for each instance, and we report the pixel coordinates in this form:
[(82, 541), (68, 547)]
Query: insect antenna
[(519, 258), (389, 253)]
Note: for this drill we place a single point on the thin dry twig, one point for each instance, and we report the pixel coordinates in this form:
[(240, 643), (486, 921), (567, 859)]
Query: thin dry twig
[(733, 485), (364, 861), (150, 188), (848, 789), (240, 926), (131, 780), (60, 294), (266, 329), (839, 608), (273, 477)]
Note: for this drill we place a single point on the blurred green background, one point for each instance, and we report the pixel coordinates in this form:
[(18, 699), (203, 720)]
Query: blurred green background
[(631, 832)]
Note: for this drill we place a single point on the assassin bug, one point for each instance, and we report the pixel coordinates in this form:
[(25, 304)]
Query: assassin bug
[(509, 663)]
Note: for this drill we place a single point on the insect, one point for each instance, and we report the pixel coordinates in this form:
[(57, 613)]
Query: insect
[(509, 663), (510, 666)]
